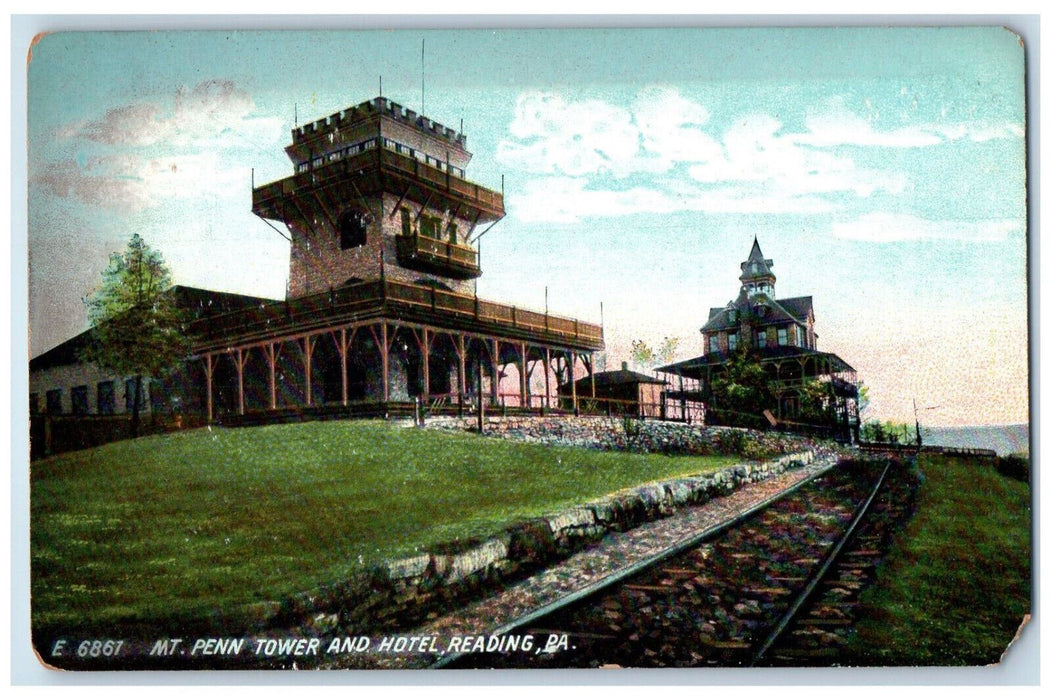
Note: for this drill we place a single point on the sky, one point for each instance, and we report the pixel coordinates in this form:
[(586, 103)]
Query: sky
[(882, 169)]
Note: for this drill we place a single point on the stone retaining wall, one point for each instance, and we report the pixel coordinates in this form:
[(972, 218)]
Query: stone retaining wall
[(631, 434), (404, 592)]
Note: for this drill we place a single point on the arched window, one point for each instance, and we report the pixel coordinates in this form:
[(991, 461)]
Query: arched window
[(352, 227)]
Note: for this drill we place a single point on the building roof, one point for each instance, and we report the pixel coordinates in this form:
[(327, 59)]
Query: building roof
[(618, 377), (696, 367), (200, 303), (757, 265), (794, 310)]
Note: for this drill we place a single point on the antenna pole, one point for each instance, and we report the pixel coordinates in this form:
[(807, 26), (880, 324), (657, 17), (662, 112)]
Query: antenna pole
[(295, 114), (381, 86), (423, 77)]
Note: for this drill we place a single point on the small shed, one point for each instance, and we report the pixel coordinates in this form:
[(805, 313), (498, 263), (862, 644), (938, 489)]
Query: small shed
[(621, 392)]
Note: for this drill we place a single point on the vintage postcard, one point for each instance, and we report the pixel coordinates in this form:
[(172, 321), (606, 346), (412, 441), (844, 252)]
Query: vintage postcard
[(528, 349)]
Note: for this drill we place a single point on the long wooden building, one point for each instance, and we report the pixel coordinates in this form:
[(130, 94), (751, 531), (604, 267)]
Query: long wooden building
[(382, 309)]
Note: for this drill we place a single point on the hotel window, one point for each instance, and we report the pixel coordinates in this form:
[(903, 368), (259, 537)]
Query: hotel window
[(106, 401), (731, 342), (54, 401), (762, 339), (782, 336), (129, 394), (79, 397), (158, 396), (713, 344)]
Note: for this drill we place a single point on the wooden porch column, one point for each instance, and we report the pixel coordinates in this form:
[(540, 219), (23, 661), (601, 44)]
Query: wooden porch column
[(426, 356), (385, 362), (308, 352), (240, 359), (547, 378), (573, 381), (591, 372), (496, 372), (208, 383), (461, 378), (682, 400), (271, 360), (523, 400), (343, 365)]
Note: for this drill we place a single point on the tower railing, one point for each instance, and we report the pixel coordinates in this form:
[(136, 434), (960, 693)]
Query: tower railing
[(265, 197)]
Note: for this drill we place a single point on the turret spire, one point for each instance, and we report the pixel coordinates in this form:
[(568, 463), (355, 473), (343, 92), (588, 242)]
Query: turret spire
[(756, 275)]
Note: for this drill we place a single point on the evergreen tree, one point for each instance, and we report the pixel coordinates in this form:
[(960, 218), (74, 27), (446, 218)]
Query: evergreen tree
[(137, 330)]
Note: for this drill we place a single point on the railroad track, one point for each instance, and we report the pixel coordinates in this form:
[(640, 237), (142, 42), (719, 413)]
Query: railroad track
[(779, 588)]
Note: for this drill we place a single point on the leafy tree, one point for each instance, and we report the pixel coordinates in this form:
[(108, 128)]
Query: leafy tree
[(645, 357), (137, 330), (741, 393), (887, 431), (641, 354), (863, 399), (815, 407), (668, 349)]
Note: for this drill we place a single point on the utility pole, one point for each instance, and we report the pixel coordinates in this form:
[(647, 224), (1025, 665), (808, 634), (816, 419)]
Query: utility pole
[(916, 416)]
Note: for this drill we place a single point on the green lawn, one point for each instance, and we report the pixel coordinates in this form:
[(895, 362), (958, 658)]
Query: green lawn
[(957, 584), (172, 525)]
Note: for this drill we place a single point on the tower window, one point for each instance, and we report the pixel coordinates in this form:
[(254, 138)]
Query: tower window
[(782, 336), (406, 222), (352, 225), (429, 226)]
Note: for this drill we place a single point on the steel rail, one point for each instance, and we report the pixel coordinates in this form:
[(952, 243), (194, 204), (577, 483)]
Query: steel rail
[(620, 575), (818, 576)]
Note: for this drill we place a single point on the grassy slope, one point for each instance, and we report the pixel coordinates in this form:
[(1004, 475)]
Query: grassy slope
[(209, 519), (957, 584)]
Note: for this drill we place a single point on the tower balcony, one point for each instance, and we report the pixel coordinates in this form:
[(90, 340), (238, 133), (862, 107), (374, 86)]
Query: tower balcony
[(345, 177), (439, 257)]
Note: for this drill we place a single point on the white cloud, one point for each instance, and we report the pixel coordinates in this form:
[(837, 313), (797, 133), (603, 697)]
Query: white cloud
[(672, 129), (753, 164), (149, 152), (840, 127), (130, 182), (577, 138), (196, 114), (889, 228), (567, 200), (980, 133)]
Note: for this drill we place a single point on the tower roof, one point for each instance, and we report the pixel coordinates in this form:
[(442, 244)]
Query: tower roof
[(756, 266)]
